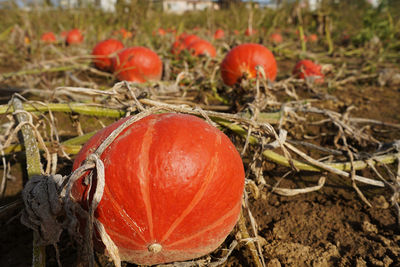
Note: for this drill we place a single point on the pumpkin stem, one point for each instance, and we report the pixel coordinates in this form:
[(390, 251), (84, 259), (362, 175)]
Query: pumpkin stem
[(154, 248)]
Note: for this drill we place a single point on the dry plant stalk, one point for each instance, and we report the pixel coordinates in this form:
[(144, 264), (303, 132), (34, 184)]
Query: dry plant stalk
[(33, 168)]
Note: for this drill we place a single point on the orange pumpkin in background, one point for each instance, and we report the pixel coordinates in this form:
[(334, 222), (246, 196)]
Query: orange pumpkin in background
[(250, 32), (74, 36), (48, 37), (202, 47), (219, 34), (137, 64), (306, 69), (242, 60), (313, 38), (103, 51), (276, 38)]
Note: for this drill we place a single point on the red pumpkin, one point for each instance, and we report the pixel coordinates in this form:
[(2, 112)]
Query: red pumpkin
[(219, 34), (202, 47), (74, 37), (103, 51), (48, 37), (64, 34), (160, 32), (137, 64), (123, 33), (182, 42), (242, 60), (276, 38), (306, 68), (188, 39), (345, 39), (313, 38), (177, 47), (173, 182), (250, 32)]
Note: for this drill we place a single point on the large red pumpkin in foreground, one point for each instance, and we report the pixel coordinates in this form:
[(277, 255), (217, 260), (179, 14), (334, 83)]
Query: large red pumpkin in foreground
[(242, 60), (137, 64), (103, 52), (173, 188)]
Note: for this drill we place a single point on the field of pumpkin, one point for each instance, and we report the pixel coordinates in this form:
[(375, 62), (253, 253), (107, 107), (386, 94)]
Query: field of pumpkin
[(243, 136)]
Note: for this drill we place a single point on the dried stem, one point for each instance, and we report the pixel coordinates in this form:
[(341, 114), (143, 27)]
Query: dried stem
[(33, 168), (250, 244)]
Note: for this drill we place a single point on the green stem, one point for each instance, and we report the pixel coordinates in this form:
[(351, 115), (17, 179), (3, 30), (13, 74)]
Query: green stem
[(303, 42), (70, 146), (328, 37), (250, 244), (301, 165), (39, 71), (34, 167), (79, 140), (80, 108)]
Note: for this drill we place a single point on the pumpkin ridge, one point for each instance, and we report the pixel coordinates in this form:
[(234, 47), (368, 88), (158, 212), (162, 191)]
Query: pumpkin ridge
[(143, 173), (113, 202), (205, 229), (248, 64), (198, 196), (123, 237)]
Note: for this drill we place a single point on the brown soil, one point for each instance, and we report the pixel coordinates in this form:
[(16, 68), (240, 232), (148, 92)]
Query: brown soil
[(330, 227)]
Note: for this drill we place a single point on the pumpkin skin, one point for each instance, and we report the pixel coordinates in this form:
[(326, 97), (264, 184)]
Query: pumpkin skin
[(103, 52), (177, 47), (172, 180), (137, 64), (276, 38), (219, 34), (64, 34), (241, 61), (74, 36), (123, 33), (202, 47), (188, 39), (250, 32), (160, 32), (313, 38), (182, 42), (48, 37), (306, 68)]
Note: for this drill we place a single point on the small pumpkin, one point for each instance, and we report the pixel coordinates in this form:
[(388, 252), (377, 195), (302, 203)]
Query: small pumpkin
[(177, 47), (74, 36), (137, 64), (242, 60), (307, 69), (250, 32), (160, 32), (313, 38), (48, 37), (103, 51), (188, 39), (219, 34), (276, 38), (202, 47), (173, 188)]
